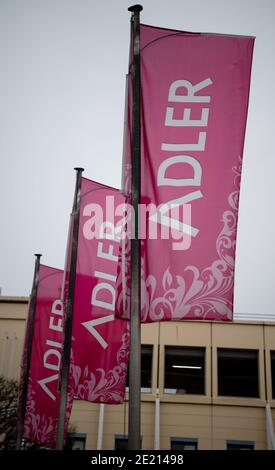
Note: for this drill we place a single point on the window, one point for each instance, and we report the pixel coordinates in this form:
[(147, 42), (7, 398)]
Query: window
[(76, 441), (180, 443), (184, 370), (273, 372), (238, 373), (146, 368), (240, 445), (121, 442)]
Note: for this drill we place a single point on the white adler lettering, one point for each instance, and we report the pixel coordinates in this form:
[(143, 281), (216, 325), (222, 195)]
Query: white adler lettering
[(183, 91), (103, 295), (52, 356)]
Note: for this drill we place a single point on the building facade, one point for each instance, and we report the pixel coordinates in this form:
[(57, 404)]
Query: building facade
[(205, 385)]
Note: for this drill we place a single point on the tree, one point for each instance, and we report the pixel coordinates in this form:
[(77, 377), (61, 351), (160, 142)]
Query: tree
[(9, 390), (8, 409)]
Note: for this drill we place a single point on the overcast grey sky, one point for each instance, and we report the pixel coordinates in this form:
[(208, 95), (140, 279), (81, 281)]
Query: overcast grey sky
[(63, 66)]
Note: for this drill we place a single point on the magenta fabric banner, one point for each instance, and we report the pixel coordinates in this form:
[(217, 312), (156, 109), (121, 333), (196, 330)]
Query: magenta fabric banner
[(42, 408), (100, 342), (194, 91)]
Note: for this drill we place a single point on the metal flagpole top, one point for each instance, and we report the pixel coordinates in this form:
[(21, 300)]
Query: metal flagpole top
[(38, 255), (79, 168), (135, 8)]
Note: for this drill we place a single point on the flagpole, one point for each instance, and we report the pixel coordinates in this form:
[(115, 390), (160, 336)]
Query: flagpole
[(69, 316), (22, 400), (135, 348)]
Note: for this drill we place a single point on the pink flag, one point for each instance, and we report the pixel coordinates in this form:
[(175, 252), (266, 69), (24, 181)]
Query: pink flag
[(100, 342), (42, 408), (194, 92)]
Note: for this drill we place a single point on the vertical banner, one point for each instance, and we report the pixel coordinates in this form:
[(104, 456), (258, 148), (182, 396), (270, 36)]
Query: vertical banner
[(42, 407), (195, 90), (100, 342)]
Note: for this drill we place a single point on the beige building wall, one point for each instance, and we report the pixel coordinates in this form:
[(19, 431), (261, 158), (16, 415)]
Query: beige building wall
[(13, 312), (209, 418)]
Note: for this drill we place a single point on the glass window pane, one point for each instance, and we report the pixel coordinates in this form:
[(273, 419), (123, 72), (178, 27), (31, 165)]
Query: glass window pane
[(76, 441), (185, 369), (146, 366), (178, 443), (238, 373), (121, 442), (240, 445)]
